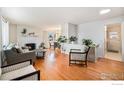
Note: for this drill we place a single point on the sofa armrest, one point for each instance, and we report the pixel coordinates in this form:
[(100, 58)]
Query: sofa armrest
[(31, 76), (15, 66)]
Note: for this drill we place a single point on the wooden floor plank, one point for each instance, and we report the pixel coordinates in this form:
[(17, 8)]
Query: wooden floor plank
[(55, 66)]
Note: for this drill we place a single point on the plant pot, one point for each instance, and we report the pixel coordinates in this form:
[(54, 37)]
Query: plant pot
[(72, 42)]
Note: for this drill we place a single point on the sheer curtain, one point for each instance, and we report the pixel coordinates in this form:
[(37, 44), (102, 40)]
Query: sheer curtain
[(5, 32), (5, 39)]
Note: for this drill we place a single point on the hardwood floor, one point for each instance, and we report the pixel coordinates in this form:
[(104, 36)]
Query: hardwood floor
[(55, 66)]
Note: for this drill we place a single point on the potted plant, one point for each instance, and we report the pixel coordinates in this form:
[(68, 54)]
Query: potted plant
[(42, 46), (50, 37), (87, 42), (73, 39), (24, 31), (60, 40)]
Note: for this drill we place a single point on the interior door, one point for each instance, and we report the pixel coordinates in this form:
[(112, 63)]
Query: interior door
[(114, 38)]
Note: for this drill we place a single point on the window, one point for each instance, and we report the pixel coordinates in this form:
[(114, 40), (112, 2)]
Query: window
[(113, 35), (5, 32)]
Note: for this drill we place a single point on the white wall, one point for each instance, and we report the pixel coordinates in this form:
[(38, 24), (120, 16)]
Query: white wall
[(45, 39), (72, 30), (123, 41), (69, 29), (64, 29), (0, 40), (0, 30), (22, 40), (13, 33), (96, 31)]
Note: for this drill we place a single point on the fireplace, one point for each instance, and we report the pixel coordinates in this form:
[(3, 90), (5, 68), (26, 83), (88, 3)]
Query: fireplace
[(31, 46)]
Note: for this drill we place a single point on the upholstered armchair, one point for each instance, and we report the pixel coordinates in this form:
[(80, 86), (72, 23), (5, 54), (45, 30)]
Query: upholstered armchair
[(78, 56), (19, 71)]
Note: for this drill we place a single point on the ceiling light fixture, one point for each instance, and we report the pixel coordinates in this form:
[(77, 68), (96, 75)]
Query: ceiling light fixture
[(105, 11)]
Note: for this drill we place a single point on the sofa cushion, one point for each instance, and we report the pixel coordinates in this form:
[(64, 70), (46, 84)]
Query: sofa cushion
[(19, 50), (17, 73), (14, 49), (13, 57)]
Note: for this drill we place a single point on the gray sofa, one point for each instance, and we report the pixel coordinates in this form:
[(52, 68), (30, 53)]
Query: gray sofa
[(15, 57)]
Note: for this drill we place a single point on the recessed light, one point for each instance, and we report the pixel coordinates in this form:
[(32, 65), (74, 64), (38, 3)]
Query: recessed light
[(105, 11)]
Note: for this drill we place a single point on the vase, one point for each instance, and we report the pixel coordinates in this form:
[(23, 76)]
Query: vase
[(72, 42)]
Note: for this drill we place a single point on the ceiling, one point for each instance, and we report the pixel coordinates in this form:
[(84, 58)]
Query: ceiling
[(50, 17)]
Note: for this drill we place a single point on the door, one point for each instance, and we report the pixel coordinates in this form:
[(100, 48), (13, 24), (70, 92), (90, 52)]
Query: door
[(114, 38), (113, 45)]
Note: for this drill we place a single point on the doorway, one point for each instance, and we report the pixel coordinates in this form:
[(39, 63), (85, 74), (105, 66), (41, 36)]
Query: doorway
[(113, 42)]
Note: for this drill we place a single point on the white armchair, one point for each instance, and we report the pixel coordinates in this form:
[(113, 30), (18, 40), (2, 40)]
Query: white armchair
[(76, 55), (19, 71)]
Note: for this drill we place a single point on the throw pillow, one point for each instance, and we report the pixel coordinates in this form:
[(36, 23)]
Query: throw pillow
[(14, 49), (19, 50)]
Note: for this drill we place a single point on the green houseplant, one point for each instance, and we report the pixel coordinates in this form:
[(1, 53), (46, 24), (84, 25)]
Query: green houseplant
[(87, 42), (61, 39), (73, 39)]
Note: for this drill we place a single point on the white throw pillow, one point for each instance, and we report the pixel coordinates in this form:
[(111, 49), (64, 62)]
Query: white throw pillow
[(25, 50), (0, 71)]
